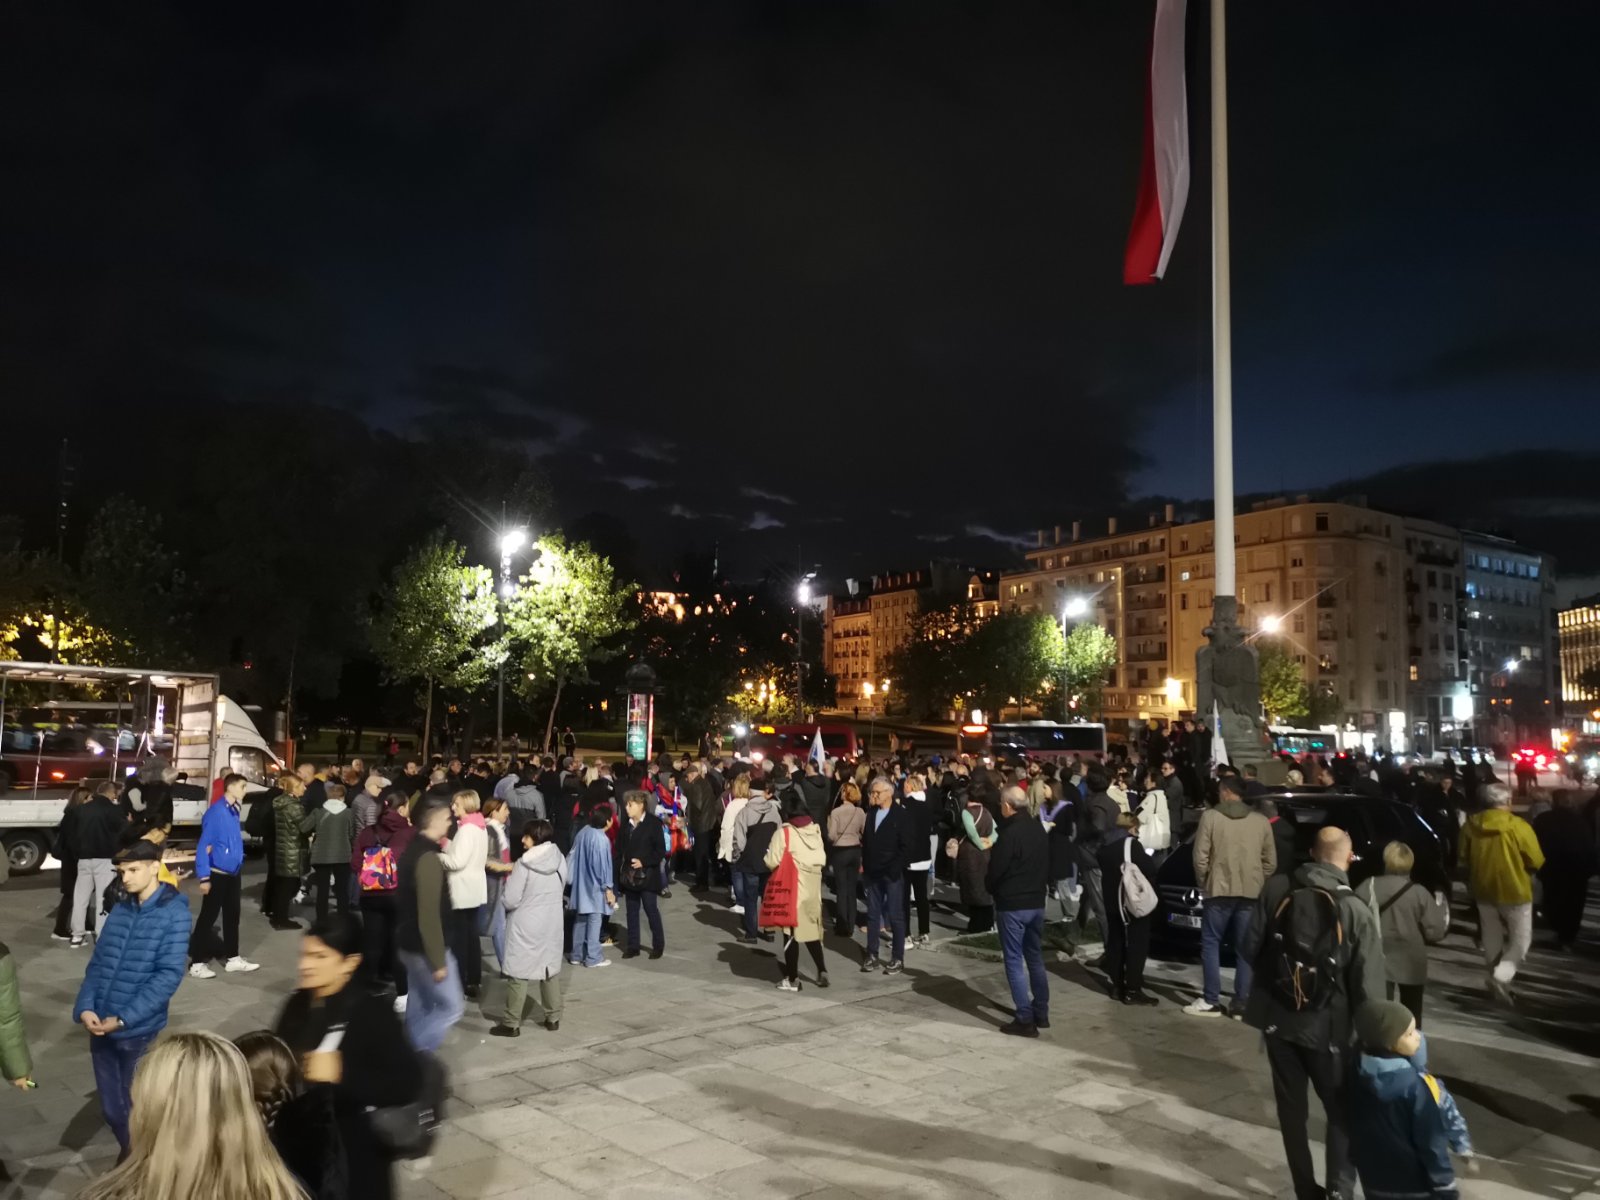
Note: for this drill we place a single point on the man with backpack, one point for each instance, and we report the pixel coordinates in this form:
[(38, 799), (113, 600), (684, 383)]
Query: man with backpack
[(1319, 957), (1234, 855)]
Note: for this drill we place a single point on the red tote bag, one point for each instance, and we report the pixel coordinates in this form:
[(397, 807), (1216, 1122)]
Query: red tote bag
[(780, 902)]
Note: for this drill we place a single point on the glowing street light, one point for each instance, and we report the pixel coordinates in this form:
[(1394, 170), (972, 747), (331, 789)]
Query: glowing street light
[(1271, 624), (1512, 664), (511, 540), (1076, 606)]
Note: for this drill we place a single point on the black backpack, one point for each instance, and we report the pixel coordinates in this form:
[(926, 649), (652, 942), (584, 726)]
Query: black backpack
[(1303, 957), (757, 838)]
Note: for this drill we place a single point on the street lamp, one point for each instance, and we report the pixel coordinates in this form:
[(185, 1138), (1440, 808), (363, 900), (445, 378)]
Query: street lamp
[(1271, 624), (802, 595), (511, 541), (1075, 608), (872, 716)]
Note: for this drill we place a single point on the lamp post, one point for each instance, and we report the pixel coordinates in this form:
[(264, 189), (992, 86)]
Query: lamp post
[(872, 716), (511, 541), (802, 602), (1075, 607)]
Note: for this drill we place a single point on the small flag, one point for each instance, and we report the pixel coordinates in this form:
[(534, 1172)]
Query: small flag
[(1219, 748), (818, 755), (1164, 166)]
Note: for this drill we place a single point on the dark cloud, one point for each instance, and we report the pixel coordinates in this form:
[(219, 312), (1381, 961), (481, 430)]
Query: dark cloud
[(860, 261)]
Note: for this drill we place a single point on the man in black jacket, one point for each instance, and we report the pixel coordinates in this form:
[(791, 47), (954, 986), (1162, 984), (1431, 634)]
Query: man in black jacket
[(885, 851), (1311, 1043), (1019, 873), (90, 834), (814, 788)]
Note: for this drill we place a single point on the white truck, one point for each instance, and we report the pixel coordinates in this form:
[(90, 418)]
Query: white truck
[(180, 716)]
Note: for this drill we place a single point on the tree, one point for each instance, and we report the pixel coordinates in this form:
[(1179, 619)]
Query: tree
[(934, 669), (1010, 659), (1086, 655), (133, 586), (565, 613), (1283, 687), (431, 622)]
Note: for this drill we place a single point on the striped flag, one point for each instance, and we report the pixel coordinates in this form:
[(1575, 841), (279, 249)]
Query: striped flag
[(1164, 169)]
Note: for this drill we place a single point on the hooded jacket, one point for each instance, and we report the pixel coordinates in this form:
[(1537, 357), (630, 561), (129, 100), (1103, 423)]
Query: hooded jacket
[(392, 830), (92, 829), (334, 831), (1398, 1139), (531, 896), (761, 810), (1412, 918), (288, 847), (1233, 851), (138, 963), (1501, 853), (1362, 980)]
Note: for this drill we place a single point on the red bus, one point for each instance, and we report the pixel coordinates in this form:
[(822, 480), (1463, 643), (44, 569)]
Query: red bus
[(771, 742)]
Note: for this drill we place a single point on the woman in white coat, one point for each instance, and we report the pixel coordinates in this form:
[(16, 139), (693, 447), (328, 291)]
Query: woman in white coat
[(532, 898), (464, 859)]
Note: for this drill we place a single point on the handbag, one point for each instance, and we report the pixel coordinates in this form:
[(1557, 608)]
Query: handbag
[(403, 1130), (780, 900), (952, 848), (1137, 897), (633, 878)]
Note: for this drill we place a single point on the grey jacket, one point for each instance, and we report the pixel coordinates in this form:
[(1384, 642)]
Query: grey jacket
[(333, 831), (1233, 851), (532, 900), (1414, 919), (1327, 1028)]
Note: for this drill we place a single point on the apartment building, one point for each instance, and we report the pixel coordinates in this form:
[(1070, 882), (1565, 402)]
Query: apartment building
[(877, 616), (1368, 603), (1578, 629), (1512, 643)]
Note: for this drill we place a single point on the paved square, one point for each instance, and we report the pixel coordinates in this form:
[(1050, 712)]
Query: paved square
[(693, 1076)]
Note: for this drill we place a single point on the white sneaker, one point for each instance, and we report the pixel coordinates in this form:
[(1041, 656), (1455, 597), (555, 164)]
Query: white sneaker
[(201, 971), (737, 909), (238, 965), (299, 898), (1200, 1008), (604, 962), (79, 941), (785, 985), (400, 1006)]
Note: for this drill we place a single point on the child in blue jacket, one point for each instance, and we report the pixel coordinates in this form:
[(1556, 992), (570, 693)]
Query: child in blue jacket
[(137, 966), (1403, 1123)]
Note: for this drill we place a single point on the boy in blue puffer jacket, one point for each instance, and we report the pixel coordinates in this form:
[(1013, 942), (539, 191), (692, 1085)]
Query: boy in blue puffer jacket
[(1402, 1120), (137, 965)]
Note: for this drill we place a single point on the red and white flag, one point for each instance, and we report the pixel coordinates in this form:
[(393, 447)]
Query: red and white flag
[(1164, 172)]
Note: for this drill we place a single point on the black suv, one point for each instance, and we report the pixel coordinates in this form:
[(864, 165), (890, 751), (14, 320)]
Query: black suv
[(1371, 822)]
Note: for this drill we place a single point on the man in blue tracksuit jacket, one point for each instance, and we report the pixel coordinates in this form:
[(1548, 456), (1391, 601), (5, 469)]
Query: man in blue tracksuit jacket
[(217, 862), (137, 965)]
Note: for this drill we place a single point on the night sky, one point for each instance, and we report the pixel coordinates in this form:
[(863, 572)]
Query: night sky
[(837, 282)]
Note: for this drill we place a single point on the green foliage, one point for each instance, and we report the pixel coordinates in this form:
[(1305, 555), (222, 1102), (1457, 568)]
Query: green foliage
[(1012, 658), (1324, 708), (931, 670), (1283, 687), (1088, 653), (133, 585), (433, 616), (566, 612)]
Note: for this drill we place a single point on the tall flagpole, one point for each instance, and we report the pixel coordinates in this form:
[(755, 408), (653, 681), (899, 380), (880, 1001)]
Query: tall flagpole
[(1227, 671), (1225, 602)]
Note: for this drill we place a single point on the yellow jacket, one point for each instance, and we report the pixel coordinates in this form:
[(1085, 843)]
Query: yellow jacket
[(1501, 854)]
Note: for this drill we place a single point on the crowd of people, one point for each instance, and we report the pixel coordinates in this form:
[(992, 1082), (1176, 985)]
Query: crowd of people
[(552, 860)]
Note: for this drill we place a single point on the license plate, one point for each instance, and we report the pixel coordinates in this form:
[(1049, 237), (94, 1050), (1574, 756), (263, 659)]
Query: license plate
[(1183, 920)]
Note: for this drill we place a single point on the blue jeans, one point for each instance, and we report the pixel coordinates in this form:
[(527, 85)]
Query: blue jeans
[(886, 901), (432, 1008), (747, 889), (586, 938), (492, 921), (1226, 918), (113, 1062), (1020, 942)]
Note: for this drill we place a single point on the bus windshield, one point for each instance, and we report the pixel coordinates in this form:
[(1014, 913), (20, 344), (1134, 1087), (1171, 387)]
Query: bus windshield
[(1034, 739)]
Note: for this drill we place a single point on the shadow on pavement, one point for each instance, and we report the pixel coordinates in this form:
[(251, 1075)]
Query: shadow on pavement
[(887, 1137)]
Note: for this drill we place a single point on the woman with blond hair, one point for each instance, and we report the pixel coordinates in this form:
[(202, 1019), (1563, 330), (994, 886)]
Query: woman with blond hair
[(1411, 918), (188, 1082), (288, 851), (845, 826)]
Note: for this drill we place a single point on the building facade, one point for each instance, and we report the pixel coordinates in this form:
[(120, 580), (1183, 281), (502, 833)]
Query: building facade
[(1578, 631), (1512, 645), (1367, 603), (877, 616)]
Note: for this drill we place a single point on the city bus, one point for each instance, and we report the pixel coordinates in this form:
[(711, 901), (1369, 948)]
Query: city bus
[(1036, 741), (1300, 742)]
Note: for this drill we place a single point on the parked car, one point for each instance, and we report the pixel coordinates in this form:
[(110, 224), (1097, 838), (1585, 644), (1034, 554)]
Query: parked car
[(1371, 821)]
